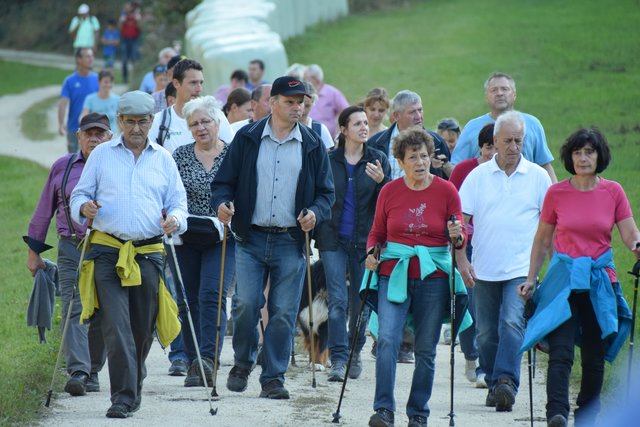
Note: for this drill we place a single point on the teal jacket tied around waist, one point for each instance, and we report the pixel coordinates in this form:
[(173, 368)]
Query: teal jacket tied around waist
[(583, 274), (430, 259)]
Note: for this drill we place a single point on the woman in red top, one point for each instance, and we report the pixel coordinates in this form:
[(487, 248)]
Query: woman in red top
[(412, 223)]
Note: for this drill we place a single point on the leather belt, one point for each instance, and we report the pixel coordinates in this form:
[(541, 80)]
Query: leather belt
[(272, 230), (144, 242)]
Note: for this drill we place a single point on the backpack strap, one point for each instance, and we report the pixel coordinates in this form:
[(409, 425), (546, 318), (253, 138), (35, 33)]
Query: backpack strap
[(163, 132), (317, 127), (63, 193)]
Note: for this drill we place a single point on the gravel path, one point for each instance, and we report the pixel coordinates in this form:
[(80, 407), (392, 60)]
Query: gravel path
[(166, 402)]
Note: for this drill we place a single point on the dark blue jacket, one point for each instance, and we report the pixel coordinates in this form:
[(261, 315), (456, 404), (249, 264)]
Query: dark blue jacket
[(381, 140), (366, 195), (236, 179)]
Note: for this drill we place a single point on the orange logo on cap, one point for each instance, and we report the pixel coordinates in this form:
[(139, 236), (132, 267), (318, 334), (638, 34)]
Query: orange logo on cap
[(293, 83)]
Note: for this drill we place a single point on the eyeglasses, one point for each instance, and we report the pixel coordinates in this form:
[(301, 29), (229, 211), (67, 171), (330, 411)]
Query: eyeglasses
[(203, 122), (142, 123)]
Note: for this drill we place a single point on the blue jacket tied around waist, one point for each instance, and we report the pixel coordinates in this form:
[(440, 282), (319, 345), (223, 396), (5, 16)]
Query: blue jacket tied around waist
[(583, 274)]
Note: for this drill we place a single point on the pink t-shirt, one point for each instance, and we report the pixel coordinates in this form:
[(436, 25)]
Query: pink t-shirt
[(584, 219), (328, 107)]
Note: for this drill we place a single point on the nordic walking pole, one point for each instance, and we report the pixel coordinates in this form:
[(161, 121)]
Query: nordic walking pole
[(636, 273), (529, 309), (214, 393), (310, 290), (186, 307), (68, 315), (356, 332), (453, 316)]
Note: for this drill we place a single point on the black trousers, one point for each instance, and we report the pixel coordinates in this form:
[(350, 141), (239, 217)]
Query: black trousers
[(128, 316), (561, 353)]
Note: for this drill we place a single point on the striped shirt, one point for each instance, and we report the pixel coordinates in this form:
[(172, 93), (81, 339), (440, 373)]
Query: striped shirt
[(277, 168), (132, 192)]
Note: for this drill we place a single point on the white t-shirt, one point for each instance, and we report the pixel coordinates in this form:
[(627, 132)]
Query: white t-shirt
[(505, 211), (179, 133), (325, 135)]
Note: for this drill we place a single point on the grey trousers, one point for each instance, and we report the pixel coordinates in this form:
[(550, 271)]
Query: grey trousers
[(83, 345), (127, 317)]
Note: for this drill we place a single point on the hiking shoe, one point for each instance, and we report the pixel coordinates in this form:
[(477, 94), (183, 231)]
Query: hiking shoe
[(118, 410), (470, 370), (77, 384), (505, 395), (136, 404), (446, 334), (93, 384), (405, 355), (337, 372), (417, 421), (491, 399), (356, 367), (481, 381), (237, 379), (274, 389), (374, 349), (557, 421), (382, 418), (178, 368), (194, 378)]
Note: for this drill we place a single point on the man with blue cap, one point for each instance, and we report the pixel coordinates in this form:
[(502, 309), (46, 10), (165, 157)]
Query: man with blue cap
[(126, 185)]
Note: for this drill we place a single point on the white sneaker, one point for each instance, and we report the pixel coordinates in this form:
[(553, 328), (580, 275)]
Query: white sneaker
[(446, 335), (470, 370), (480, 382)]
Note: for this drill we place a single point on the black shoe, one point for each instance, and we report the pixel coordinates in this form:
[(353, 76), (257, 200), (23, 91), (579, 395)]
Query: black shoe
[(557, 421), (77, 384), (178, 368), (194, 378), (93, 384), (238, 379), (136, 404), (337, 372), (505, 395), (274, 389), (374, 349), (491, 399), (118, 410), (382, 418), (417, 421), (356, 367)]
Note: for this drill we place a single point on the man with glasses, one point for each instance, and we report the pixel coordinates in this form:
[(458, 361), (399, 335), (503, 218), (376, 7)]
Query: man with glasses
[(169, 126), (83, 348), (124, 188), (500, 93)]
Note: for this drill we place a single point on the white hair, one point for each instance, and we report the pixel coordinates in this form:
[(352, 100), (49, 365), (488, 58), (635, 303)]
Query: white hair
[(207, 103), (512, 116), (315, 70), (403, 99)]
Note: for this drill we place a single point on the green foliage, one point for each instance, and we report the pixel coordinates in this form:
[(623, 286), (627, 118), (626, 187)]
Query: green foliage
[(17, 78), (25, 365), (575, 64)]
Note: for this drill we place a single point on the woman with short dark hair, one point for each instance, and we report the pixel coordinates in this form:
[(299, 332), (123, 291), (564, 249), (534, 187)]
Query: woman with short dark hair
[(579, 302), (412, 223)]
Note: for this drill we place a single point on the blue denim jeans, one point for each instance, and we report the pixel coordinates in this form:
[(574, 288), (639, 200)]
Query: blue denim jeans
[(341, 299), (280, 257), (468, 343), (200, 268), (427, 300), (500, 323)]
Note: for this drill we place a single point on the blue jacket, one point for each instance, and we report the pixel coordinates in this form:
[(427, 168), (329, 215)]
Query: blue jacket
[(236, 180), (566, 275), (381, 140), (366, 194)]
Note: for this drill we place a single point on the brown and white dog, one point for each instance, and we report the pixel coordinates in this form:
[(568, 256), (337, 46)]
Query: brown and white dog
[(320, 316)]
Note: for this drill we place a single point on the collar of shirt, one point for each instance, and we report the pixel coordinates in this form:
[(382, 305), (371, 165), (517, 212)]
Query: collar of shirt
[(523, 166), (120, 141), (293, 135)]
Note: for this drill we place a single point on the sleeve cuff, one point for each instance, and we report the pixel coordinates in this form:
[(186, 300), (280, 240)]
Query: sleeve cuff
[(36, 245)]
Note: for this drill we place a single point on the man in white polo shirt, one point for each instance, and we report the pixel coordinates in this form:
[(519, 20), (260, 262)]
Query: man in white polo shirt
[(504, 197)]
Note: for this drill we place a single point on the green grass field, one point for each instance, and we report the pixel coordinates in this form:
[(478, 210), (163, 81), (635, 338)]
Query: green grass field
[(575, 64)]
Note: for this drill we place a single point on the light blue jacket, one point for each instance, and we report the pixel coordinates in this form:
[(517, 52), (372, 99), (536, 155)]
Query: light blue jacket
[(430, 258), (583, 274)]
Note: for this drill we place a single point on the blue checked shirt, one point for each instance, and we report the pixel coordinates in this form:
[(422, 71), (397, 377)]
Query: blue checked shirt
[(132, 193)]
